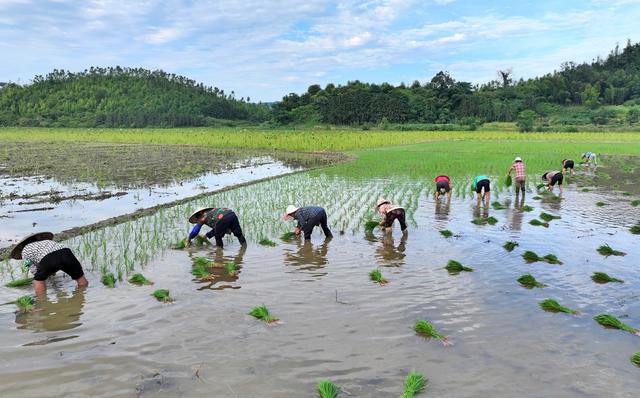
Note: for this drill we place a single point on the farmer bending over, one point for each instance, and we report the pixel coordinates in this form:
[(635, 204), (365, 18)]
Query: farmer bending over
[(521, 177), (553, 177), (589, 157), (567, 164), (221, 220), (308, 217), (479, 184), (44, 257), (443, 186), (391, 212)]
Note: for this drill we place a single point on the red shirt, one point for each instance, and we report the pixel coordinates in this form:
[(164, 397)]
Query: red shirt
[(442, 178)]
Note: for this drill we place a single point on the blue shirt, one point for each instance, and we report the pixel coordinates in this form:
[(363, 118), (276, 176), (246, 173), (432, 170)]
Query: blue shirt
[(304, 214), (478, 179)]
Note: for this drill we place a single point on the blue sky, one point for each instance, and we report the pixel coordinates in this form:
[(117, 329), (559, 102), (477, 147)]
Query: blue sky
[(266, 49)]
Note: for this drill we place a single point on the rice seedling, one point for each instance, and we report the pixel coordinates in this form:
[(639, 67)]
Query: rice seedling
[(426, 329), (551, 305), (370, 224), (454, 267), (527, 208), (267, 242), (287, 236), (179, 245), (19, 282), (540, 186), (478, 221), (529, 281), (510, 245), (548, 217), (413, 384), (508, 181), (326, 389), (601, 204), (536, 197), (606, 250), (446, 233), (635, 359), (202, 261), (25, 303), (551, 259), (538, 223), (261, 312), (377, 277), (231, 268), (610, 321), (585, 190), (491, 220), (200, 240), (498, 206), (531, 257), (200, 271), (602, 277), (162, 295), (108, 279), (635, 203), (139, 279), (482, 221), (635, 229)]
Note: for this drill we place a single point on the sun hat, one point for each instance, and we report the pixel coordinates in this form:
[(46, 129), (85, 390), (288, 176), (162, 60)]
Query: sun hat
[(16, 252), (290, 210), (381, 201), (193, 218), (517, 159)]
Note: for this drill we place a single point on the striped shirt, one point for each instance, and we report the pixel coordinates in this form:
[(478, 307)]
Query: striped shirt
[(34, 252), (520, 170)]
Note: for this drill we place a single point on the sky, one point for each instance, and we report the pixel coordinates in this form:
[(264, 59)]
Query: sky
[(266, 49)]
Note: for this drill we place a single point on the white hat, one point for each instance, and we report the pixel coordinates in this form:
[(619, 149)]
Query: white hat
[(381, 201), (193, 218), (290, 210), (517, 159)]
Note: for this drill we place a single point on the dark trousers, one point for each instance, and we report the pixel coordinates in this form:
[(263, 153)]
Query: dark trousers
[(520, 184), (228, 224), (319, 219), (397, 214)]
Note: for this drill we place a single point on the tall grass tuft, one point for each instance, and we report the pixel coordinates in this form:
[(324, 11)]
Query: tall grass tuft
[(326, 389), (527, 280), (267, 242), (610, 321), (454, 267), (551, 305), (606, 250), (139, 279), (261, 312), (413, 384), (510, 245), (376, 276), (19, 282), (426, 329), (25, 303), (602, 277), (108, 279)]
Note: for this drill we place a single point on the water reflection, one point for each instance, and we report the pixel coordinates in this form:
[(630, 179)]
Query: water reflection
[(308, 257), (54, 316), (390, 255), (517, 215), (442, 209), (220, 278), (480, 209)]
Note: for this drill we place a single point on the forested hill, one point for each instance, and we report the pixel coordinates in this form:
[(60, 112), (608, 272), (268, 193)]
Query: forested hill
[(614, 80), (121, 97)]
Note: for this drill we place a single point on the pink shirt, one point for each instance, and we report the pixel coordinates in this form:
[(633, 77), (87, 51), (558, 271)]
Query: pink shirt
[(442, 178)]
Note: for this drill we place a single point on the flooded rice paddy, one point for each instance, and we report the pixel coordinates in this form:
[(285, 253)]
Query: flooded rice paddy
[(334, 321)]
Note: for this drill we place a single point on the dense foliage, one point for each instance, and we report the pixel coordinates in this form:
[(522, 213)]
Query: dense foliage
[(121, 97)]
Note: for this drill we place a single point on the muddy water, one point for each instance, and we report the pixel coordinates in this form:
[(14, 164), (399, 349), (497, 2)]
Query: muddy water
[(337, 324)]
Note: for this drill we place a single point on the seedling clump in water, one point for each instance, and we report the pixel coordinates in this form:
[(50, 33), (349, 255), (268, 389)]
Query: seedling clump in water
[(538, 223), (532, 257), (426, 329), (612, 322), (231, 268), (454, 267), (267, 242), (326, 389), (481, 221), (261, 312), (201, 261), (498, 206), (602, 277), (606, 250), (200, 271), (601, 204), (370, 225), (551, 259), (529, 281), (548, 217), (179, 245), (108, 279), (287, 236), (635, 359), (446, 233), (510, 245), (527, 208), (19, 282), (139, 279), (635, 229), (413, 384), (377, 277), (551, 305), (162, 295), (25, 303)]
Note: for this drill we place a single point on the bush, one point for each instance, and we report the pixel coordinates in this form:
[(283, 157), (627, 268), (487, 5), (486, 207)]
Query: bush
[(525, 120), (633, 115), (602, 116)]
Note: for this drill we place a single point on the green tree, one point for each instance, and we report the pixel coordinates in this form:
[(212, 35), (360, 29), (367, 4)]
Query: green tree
[(525, 120)]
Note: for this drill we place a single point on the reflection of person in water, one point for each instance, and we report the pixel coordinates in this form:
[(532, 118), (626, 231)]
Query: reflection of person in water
[(50, 316), (308, 256), (517, 215), (480, 211), (219, 273), (389, 253), (443, 208)]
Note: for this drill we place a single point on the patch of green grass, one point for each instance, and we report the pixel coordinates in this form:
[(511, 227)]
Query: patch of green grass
[(426, 329), (610, 321), (601, 204), (454, 267), (602, 277), (139, 279), (635, 229), (413, 384), (108, 279), (19, 282), (162, 295), (606, 250), (202, 261), (527, 280), (231, 268), (551, 305), (538, 223), (267, 242), (527, 208), (446, 233), (287, 236), (498, 206), (326, 389), (635, 359), (376, 276), (635, 203), (261, 312), (510, 245), (25, 303), (548, 217)]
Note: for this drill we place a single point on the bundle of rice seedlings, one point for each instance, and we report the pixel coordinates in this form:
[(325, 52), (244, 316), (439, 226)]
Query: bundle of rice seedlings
[(551, 259), (527, 208), (585, 190), (261, 312), (548, 217), (529, 281), (139, 279), (538, 223), (231, 268), (19, 282), (202, 261), (635, 229), (200, 271), (179, 245), (200, 240), (377, 277), (510, 245), (326, 389), (551, 305), (635, 359), (287, 236), (601, 204), (413, 384), (267, 242), (370, 225), (610, 321), (478, 221), (606, 250), (446, 233), (635, 203), (531, 257), (162, 295), (454, 267), (426, 329), (108, 279), (25, 303), (508, 181), (498, 206), (536, 197), (602, 277), (540, 186), (491, 220)]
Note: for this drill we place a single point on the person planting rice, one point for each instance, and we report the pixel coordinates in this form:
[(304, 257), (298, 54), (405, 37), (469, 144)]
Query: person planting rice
[(308, 217), (221, 220), (567, 164), (443, 186), (589, 157), (481, 183), (551, 178), (391, 212), (44, 257), (519, 168)]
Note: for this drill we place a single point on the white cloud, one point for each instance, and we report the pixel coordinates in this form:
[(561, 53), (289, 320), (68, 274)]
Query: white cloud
[(163, 35)]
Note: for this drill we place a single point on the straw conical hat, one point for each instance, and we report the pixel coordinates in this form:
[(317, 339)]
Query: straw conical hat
[(16, 253), (193, 218)]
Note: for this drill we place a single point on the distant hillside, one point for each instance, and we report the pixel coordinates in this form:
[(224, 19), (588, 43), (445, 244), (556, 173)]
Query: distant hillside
[(121, 97)]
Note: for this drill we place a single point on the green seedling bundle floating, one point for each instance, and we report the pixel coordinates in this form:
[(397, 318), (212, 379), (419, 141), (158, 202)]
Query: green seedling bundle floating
[(510, 245), (601, 204), (482, 221), (162, 295), (370, 224), (635, 203), (202, 261), (498, 206), (25, 303), (108, 279), (528, 281), (261, 312), (610, 321), (606, 250), (602, 277), (549, 217), (287, 236), (377, 277), (267, 242), (635, 229), (532, 257), (326, 389), (179, 245), (454, 267), (140, 280), (446, 233), (413, 384), (635, 359), (19, 282), (527, 208), (200, 270), (231, 268), (551, 259), (551, 305), (538, 223), (426, 329)]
